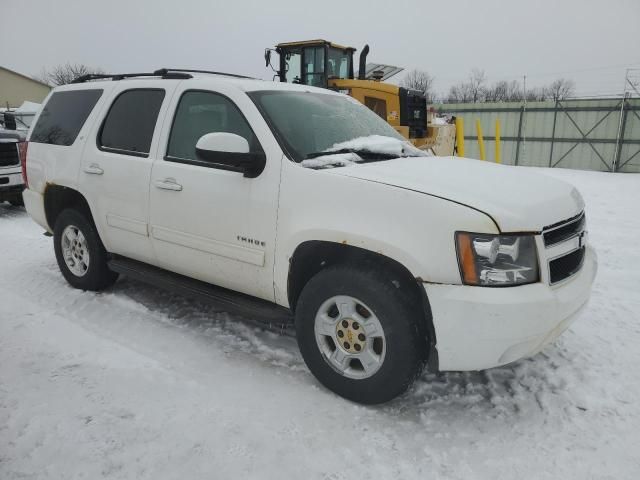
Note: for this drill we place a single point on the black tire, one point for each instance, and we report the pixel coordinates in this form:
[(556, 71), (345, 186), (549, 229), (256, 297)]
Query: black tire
[(97, 276), (400, 315)]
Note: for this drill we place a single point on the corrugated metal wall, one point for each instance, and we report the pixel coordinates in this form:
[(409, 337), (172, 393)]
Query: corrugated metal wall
[(581, 134)]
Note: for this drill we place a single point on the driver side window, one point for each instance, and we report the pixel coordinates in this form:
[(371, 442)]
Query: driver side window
[(199, 113)]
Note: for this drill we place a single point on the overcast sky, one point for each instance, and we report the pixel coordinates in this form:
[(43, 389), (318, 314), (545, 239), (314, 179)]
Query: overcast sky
[(592, 42)]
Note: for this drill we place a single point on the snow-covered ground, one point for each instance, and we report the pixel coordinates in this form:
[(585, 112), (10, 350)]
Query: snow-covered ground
[(135, 383)]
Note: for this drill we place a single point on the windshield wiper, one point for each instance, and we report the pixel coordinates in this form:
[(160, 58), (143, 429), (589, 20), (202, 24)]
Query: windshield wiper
[(366, 155)]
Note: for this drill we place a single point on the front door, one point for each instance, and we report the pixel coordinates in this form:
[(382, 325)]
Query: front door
[(207, 221)]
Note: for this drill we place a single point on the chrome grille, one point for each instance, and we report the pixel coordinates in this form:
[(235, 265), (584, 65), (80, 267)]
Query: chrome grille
[(566, 266), (9, 154), (565, 247), (563, 231)]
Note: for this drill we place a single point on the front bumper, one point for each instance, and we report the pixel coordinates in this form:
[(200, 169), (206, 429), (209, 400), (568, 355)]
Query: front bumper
[(480, 327), (11, 185)]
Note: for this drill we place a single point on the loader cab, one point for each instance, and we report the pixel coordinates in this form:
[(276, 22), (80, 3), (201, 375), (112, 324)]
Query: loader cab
[(324, 64), (313, 62)]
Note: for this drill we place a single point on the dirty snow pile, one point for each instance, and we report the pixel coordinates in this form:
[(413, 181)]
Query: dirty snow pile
[(135, 383), (439, 121)]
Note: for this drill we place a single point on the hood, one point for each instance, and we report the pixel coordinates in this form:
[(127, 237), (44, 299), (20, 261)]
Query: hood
[(518, 199), (11, 135)]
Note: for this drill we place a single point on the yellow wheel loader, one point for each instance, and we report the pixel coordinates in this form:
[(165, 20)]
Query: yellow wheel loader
[(320, 63)]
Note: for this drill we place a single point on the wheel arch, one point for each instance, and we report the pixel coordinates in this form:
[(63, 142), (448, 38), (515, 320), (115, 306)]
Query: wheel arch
[(312, 256), (58, 197)]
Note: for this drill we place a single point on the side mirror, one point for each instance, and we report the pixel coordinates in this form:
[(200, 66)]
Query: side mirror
[(267, 57), (232, 151), (10, 121)]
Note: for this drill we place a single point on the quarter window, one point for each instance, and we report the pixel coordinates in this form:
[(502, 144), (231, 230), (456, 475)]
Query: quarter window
[(199, 113), (63, 116), (131, 121)]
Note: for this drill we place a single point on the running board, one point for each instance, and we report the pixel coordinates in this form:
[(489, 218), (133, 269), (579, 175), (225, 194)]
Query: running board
[(254, 310)]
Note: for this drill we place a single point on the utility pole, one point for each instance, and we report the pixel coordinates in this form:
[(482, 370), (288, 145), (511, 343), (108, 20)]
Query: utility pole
[(524, 117), (622, 120), (624, 98)]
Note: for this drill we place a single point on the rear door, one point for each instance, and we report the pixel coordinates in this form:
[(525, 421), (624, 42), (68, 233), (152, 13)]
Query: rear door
[(206, 221), (116, 166)]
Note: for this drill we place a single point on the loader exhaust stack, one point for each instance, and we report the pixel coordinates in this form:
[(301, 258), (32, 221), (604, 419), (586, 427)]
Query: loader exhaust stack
[(363, 63)]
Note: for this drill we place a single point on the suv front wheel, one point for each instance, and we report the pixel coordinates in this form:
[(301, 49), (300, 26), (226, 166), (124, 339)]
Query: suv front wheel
[(359, 331), (80, 254)]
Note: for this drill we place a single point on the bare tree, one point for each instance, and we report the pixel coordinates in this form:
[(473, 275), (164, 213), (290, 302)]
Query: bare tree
[(471, 91), (477, 80), (537, 94), (514, 92), (475, 90), (560, 89), (421, 81), (497, 92), (503, 91), (459, 93), (67, 73)]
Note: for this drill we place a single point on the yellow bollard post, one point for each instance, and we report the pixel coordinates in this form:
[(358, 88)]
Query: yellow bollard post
[(460, 136), (480, 139), (498, 159)]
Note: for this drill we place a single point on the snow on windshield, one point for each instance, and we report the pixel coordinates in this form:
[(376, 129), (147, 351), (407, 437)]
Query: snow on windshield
[(371, 143)]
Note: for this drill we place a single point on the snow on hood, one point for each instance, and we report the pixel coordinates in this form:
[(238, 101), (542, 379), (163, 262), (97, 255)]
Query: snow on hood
[(371, 143), (517, 198), (329, 161), (380, 144)]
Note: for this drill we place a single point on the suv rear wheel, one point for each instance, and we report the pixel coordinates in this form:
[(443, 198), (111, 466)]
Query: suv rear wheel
[(360, 334), (80, 254)]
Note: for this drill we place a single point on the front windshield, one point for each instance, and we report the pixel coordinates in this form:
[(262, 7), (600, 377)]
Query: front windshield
[(307, 122)]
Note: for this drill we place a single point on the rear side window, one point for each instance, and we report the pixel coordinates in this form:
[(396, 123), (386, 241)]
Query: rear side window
[(129, 125), (63, 116)]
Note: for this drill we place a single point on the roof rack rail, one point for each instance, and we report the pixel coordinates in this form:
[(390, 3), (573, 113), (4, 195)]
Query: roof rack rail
[(167, 75), (164, 71)]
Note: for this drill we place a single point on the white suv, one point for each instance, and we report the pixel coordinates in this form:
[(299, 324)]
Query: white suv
[(301, 208)]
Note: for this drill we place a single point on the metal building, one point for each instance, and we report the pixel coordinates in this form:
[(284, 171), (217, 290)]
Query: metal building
[(16, 88)]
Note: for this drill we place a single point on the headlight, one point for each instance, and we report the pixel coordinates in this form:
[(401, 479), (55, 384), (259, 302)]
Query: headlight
[(497, 260)]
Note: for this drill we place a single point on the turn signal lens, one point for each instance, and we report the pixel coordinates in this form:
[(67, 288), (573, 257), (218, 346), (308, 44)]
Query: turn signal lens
[(467, 259), (22, 154)]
